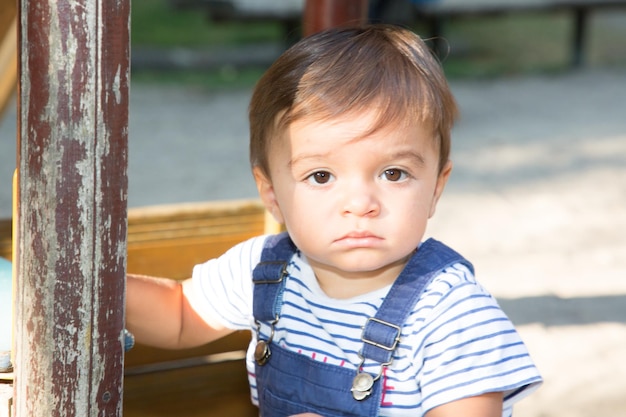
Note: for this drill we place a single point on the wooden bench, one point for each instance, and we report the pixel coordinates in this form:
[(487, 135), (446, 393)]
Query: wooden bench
[(168, 241), (436, 13)]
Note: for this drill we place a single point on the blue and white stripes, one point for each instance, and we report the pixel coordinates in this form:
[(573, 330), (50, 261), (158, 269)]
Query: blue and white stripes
[(456, 343)]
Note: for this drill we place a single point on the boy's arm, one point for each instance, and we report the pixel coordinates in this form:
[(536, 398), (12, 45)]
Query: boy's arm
[(485, 405), (158, 314)]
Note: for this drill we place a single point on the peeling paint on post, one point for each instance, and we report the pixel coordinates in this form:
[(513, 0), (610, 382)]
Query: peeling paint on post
[(72, 160)]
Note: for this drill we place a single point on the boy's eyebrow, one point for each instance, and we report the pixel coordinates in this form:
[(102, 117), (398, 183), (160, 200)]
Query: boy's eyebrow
[(408, 154), (301, 157)]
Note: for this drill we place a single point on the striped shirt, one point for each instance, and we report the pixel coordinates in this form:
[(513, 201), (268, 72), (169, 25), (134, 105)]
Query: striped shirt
[(456, 342)]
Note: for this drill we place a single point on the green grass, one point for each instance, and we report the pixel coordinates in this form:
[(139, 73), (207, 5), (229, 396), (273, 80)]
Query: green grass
[(156, 23)]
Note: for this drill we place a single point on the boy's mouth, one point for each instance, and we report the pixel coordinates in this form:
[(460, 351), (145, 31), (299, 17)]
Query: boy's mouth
[(359, 238)]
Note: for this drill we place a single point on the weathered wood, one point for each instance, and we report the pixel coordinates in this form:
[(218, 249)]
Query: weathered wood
[(72, 192)]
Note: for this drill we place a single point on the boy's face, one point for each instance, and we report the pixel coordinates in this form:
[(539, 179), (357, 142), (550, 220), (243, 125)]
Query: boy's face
[(355, 205)]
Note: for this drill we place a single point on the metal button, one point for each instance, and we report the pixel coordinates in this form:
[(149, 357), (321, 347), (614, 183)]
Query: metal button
[(362, 385), (262, 352)]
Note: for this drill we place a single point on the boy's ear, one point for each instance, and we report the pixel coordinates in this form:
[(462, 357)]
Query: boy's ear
[(442, 179), (266, 192)]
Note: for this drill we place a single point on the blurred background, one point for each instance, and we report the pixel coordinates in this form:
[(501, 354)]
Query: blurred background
[(537, 198), (187, 56)]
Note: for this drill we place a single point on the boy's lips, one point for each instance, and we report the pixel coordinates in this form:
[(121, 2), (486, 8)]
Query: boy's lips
[(359, 234), (359, 239)]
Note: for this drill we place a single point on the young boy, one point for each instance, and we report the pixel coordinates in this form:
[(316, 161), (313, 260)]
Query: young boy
[(351, 313)]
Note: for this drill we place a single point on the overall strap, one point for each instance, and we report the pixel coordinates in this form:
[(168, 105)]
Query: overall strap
[(269, 277), (381, 333)]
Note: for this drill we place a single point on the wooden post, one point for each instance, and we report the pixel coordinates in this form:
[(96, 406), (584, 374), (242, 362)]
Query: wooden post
[(324, 14), (71, 249)]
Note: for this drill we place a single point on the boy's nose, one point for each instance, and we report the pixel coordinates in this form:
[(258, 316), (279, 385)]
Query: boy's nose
[(360, 200)]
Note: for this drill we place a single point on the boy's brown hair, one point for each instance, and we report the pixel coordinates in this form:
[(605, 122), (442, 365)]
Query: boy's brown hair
[(352, 70)]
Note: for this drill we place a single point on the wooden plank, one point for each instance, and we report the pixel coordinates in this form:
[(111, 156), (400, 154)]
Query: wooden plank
[(8, 52), (169, 240), (142, 355), (218, 390), (8, 57), (5, 238)]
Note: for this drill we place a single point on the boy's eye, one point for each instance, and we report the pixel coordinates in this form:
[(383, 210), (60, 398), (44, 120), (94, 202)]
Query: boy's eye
[(394, 174), (320, 177)]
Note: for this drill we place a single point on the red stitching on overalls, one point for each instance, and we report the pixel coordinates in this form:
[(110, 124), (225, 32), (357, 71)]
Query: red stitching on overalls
[(385, 389)]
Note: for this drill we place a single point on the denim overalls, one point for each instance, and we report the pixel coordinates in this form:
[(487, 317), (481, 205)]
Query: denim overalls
[(291, 383)]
